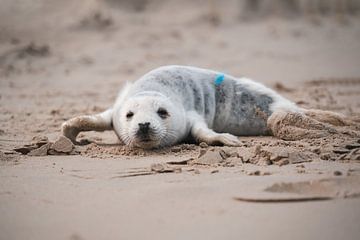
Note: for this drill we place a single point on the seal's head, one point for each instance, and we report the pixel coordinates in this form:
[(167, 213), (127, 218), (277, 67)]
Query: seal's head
[(150, 121)]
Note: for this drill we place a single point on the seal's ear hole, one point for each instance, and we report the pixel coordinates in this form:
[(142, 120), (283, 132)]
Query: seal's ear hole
[(129, 114), (163, 113)]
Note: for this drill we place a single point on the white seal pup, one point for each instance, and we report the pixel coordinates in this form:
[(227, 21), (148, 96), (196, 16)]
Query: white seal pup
[(173, 103)]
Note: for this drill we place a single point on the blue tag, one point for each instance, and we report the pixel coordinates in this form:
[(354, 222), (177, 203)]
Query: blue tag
[(219, 79)]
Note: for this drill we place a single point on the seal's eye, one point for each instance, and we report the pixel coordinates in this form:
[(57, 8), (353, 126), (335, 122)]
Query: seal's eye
[(162, 113), (129, 115)]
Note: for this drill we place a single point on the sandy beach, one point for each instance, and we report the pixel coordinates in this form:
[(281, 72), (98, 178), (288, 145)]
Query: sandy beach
[(63, 59)]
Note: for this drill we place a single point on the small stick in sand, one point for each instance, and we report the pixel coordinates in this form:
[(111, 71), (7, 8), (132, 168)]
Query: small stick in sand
[(284, 199)]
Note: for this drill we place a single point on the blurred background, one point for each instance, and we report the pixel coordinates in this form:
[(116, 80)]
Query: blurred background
[(257, 38), (64, 48)]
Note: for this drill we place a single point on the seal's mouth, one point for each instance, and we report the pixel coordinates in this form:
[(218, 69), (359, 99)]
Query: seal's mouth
[(147, 143), (146, 137), (146, 140)]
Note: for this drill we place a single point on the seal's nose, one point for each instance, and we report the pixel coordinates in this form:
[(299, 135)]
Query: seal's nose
[(144, 127)]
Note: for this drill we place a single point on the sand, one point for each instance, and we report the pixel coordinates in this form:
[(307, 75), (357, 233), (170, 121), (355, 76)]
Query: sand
[(72, 58)]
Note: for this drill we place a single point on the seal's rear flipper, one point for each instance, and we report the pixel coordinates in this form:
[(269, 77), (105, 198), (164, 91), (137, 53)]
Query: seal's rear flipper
[(98, 122), (296, 126), (335, 119)]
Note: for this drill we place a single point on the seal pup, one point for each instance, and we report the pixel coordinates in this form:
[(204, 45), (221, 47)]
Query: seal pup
[(174, 103)]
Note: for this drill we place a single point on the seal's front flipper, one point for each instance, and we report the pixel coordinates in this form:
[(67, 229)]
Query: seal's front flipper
[(202, 133), (98, 122)]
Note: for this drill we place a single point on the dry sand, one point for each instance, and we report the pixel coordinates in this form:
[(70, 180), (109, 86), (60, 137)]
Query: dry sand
[(62, 60)]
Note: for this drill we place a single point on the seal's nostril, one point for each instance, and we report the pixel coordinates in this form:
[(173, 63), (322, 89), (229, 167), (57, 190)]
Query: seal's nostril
[(144, 127)]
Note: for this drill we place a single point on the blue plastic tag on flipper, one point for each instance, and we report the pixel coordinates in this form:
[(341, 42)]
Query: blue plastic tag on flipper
[(219, 79)]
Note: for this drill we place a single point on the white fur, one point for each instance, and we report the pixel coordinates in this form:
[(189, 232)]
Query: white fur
[(144, 107)]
